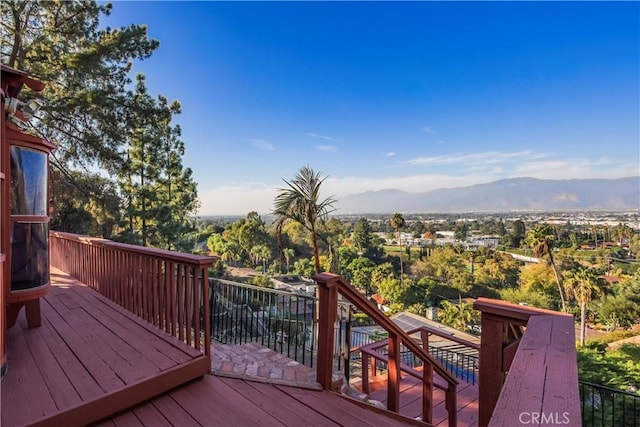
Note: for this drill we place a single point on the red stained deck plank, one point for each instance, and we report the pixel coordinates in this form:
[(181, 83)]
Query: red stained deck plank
[(129, 332), (117, 356), (128, 419), (181, 353), (86, 349), (342, 411), (233, 402), (55, 378), (23, 388), (279, 405), (212, 402), (173, 412)]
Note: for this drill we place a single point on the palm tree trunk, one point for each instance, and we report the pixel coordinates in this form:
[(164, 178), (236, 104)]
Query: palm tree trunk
[(555, 272), (316, 255)]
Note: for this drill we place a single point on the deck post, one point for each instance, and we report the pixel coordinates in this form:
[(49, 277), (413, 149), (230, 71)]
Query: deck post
[(393, 379), (328, 306), (490, 378)]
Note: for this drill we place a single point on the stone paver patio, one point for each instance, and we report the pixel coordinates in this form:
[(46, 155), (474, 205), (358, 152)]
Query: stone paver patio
[(253, 362)]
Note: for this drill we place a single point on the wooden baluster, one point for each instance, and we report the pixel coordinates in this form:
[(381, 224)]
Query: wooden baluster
[(180, 298), (186, 322), (207, 312), (393, 378), (427, 392), (365, 372)]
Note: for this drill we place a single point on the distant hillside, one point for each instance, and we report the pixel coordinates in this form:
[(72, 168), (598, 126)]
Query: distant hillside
[(503, 196)]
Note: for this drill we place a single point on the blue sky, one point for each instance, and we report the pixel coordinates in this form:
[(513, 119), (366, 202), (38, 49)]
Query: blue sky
[(413, 96)]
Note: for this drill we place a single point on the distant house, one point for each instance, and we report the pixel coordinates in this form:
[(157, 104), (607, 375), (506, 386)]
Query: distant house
[(295, 284), (382, 303)]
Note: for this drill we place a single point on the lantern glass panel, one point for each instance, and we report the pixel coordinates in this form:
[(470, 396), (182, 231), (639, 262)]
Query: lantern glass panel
[(28, 182), (29, 255)]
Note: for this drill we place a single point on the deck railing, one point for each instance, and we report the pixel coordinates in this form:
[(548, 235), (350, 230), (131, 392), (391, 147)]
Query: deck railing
[(604, 406), (165, 288), (284, 321), (528, 366), (330, 285), (460, 360)]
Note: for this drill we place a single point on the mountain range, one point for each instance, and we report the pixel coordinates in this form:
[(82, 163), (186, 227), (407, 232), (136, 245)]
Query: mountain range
[(524, 194)]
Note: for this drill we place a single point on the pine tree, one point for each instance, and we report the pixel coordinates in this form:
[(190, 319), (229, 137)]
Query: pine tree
[(85, 104), (159, 192)]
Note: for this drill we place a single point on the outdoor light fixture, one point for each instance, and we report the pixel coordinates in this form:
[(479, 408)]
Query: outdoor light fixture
[(28, 110)]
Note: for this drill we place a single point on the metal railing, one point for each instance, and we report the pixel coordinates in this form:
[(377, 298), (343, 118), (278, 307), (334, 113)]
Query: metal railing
[(280, 320), (607, 407)]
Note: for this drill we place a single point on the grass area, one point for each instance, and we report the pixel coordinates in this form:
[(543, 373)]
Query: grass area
[(396, 250)]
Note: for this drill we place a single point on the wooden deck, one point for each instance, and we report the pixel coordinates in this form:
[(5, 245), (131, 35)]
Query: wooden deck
[(220, 401), (89, 358), (411, 404)]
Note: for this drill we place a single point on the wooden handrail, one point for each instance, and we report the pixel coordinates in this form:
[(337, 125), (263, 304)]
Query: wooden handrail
[(329, 285), (126, 247), (168, 289), (371, 350), (511, 311), (435, 331), (525, 359)]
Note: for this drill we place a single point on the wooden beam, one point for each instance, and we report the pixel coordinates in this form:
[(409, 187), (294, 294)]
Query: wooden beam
[(128, 397)]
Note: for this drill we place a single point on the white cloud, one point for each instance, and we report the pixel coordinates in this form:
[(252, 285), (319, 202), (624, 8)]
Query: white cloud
[(344, 186), (326, 148), (489, 157), (577, 169), (262, 144), (390, 154), (315, 135), (239, 199), (427, 129)]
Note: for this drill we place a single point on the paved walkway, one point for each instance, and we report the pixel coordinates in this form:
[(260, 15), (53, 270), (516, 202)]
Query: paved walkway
[(253, 362)]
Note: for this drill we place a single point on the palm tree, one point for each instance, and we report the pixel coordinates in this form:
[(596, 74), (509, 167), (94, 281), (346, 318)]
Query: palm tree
[(261, 253), (301, 202), (541, 239), (397, 222), (288, 253), (583, 284)]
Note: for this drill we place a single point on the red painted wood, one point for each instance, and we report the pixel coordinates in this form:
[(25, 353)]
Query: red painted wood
[(328, 294), (543, 378), (279, 405), (100, 371), (393, 365), (75, 366), (150, 415), (173, 412), (329, 280), (128, 419), (128, 331), (150, 335), (24, 389), (340, 410), (365, 373), (427, 391)]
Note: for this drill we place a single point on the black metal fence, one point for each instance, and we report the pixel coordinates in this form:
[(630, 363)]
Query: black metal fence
[(607, 407), (286, 323), (280, 320)]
